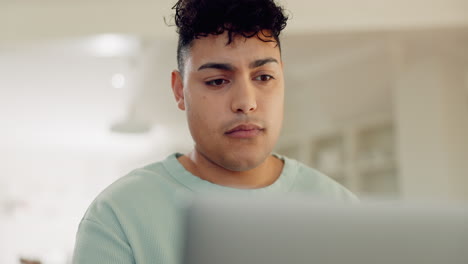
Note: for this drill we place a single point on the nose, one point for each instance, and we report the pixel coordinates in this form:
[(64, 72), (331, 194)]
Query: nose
[(243, 97)]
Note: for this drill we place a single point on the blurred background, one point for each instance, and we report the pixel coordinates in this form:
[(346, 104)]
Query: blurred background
[(376, 97)]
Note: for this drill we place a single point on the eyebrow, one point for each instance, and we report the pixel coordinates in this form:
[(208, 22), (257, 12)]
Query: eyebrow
[(259, 63), (230, 67), (218, 66)]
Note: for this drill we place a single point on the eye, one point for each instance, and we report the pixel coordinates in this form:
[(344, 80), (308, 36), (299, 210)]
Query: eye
[(217, 82), (264, 78)]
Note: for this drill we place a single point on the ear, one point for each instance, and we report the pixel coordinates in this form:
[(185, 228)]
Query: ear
[(178, 89)]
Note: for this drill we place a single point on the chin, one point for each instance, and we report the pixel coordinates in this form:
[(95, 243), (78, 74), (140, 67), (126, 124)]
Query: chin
[(243, 162)]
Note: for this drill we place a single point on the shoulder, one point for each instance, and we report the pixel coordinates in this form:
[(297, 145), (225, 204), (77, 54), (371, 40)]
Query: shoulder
[(312, 181), (142, 208), (144, 189)]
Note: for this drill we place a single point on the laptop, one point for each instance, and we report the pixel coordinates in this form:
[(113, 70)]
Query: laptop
[(302, 229)]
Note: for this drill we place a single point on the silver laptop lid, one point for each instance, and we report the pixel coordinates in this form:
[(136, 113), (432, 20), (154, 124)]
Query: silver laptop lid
[(300, 229)]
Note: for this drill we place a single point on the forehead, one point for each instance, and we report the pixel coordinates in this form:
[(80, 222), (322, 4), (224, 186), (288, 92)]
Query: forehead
[(215, 48)]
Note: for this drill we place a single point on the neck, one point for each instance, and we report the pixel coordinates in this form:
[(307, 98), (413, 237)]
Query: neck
[(262, 176)]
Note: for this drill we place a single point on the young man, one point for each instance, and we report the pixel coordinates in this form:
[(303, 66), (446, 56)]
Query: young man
[(230, 83)]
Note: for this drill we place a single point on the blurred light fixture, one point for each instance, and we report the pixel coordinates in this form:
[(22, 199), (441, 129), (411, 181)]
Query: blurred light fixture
[(118, 81), (112, 45)]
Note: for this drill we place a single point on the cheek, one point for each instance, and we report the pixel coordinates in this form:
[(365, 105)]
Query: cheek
[(204, 113), (274, 104), (274, 113), (206, 105)]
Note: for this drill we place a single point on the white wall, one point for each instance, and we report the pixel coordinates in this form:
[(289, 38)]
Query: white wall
[(57, 150), (432, 121)]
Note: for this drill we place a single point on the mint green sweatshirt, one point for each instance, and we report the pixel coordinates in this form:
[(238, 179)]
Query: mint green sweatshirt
[(140, 217)]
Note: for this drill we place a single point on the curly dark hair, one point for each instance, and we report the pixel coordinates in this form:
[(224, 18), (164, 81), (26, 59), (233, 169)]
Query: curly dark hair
[(248, 18)]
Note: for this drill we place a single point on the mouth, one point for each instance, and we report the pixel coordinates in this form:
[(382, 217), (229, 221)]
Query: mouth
[(245, 131)]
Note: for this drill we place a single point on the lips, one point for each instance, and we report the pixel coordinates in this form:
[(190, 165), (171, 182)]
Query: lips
[(244, 131)]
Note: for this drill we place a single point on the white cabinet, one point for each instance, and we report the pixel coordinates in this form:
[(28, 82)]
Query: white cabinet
[(360, 155)]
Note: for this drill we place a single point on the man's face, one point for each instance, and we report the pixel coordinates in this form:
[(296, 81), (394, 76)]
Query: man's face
[(233, 95)]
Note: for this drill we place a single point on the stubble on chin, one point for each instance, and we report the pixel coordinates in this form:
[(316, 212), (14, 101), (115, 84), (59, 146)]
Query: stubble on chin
[(241, 158)]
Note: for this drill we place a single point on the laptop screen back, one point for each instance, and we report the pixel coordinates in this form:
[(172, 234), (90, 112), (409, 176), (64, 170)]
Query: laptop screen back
[(301, 230)]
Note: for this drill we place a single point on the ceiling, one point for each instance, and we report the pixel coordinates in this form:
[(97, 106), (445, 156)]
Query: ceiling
[(22, 20)]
